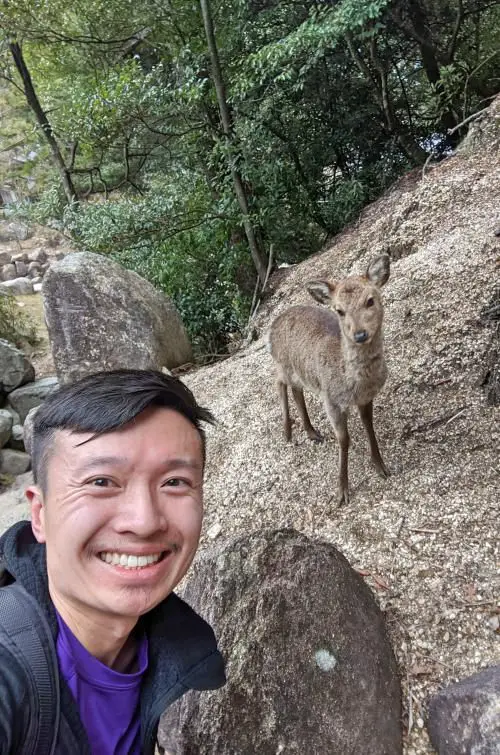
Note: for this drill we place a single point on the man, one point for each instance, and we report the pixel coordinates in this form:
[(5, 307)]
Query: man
[(116, 513)]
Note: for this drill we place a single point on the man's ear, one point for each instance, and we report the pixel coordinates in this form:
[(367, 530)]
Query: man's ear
[(35, 497)]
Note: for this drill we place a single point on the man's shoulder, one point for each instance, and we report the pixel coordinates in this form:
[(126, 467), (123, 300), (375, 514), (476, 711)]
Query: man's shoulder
[(177, 633), (177, 622)]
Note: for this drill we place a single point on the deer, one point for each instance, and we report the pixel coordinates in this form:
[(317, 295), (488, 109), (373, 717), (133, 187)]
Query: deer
[(337, 354)]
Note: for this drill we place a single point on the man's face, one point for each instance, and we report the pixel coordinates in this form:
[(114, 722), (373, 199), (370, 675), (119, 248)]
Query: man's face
[(121, 515)]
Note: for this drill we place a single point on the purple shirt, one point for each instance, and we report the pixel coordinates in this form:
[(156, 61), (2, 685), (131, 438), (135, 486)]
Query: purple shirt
[(108, 701)]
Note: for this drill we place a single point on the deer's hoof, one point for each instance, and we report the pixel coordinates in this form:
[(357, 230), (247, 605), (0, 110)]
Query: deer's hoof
[(383, 471), (343, 499)]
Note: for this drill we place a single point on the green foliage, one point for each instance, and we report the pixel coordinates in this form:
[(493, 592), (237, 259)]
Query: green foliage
[(14, 325), (330, 102)]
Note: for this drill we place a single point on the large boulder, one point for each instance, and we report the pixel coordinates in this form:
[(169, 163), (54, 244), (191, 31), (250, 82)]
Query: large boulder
[(309, 665), (465, 717), (101, 317), (31, 395), (15, 368)]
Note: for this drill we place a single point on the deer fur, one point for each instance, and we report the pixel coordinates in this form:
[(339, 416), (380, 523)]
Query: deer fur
[(337, 355)]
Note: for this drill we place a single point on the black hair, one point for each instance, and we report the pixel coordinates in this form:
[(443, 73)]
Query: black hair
[(107, 401)]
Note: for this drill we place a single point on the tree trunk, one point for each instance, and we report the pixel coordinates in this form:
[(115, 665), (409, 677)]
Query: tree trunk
[(42, 120), (227, 127), (380, 93)]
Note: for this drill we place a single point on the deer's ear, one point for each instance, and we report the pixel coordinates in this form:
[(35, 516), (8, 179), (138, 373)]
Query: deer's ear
[(379, 270), (321, 290)]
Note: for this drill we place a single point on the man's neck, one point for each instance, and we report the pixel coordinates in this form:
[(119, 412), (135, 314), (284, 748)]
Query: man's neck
[(109, 639)]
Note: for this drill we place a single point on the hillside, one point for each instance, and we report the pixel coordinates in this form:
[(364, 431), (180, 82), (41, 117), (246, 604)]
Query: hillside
[(428, 535)]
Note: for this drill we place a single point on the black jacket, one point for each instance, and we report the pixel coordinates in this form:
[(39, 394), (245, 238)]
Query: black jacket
[(183, 655)]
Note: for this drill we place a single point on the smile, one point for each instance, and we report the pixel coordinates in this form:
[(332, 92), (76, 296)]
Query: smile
[(129, 561)]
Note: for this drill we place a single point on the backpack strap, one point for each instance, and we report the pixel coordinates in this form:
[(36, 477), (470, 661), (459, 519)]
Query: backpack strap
[(26, 626)]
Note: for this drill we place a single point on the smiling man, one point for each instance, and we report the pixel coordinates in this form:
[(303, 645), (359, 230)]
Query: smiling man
[(116, 514)]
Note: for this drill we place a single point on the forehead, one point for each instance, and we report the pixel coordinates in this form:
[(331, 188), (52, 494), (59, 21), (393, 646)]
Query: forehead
[(355, 287), (156, 433)]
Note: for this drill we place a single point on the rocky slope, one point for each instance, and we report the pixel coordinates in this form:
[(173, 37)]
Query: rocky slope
[(427, 538)]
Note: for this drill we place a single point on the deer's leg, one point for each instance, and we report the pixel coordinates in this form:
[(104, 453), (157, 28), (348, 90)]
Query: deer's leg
[(366, 414), (298, 395), (339, 423), (287, 424)]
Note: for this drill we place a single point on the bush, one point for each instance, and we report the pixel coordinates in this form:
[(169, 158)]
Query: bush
[(14, 325)]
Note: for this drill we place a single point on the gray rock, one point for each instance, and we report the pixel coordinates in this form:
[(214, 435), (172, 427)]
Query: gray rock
[(37, 287), (13, 503), (29, 396), (33, 270), (19, 231), (8, 272), (5, 427), (37, 279), (15, 368), (21, 269), (21, 257), (309, 665), (16, 419), (16, 439), (5, 258), (101, 317), (465, 717), (38, 255), (14, 462), (28, 430), (19, 286)]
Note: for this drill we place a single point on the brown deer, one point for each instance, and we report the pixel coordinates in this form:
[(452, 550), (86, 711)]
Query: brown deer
[(338, 355)]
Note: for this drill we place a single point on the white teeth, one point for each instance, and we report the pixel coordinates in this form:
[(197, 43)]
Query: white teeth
[(129, 562)]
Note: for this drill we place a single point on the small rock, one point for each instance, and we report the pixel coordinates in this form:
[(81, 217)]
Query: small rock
[(38, 255), (19, 231), (14, 462), (21, 257), (5, 427), (4, 258), (33, 269), (29, 396), (37, 287), (16, 419), (16, 440), (464, 717), (35, 281), (21, 269), (214, 531), (15, 368), (9, 272), (20, 286), (494, 623)]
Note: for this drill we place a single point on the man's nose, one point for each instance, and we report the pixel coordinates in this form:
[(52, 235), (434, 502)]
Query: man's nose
[(142, 513)]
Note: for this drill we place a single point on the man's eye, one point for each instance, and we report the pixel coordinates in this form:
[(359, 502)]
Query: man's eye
[(175, 482), (101, 482)]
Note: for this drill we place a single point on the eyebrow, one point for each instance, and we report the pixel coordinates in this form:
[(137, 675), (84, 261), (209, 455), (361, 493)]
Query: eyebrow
[(103, 461)]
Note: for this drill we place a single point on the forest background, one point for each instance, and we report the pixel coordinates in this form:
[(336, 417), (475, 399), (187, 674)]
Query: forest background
[(203, 143)]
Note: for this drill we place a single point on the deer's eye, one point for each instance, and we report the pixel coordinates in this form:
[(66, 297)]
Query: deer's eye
[(340, 312), (370, 302)]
